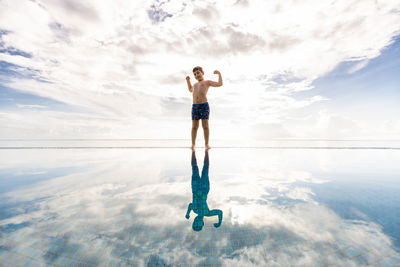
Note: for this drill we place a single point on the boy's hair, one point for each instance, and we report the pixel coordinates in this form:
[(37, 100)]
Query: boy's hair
[(198, 223), (198, 68)]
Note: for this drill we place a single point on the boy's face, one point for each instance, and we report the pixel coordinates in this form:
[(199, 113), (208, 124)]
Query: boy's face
[(198, 74)]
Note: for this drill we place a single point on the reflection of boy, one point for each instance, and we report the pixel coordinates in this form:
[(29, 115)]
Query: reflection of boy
[(200, 189)]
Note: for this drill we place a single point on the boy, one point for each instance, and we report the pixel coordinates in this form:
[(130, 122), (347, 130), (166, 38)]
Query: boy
[(200, 108), (200, 189)]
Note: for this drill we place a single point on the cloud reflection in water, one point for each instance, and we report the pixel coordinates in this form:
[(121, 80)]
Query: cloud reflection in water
[(125, 210)]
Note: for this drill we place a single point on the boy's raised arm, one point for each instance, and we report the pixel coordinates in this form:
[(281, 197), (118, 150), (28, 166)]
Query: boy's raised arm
[(189, 84), (216, 84)]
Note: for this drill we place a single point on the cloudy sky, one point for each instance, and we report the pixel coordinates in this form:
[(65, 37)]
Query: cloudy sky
[(116, 69)]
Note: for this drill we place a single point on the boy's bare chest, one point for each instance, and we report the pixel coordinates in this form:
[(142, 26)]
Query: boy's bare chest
[(200, 89)]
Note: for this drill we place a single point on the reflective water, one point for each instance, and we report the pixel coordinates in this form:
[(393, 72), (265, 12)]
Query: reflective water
[(127, 207)]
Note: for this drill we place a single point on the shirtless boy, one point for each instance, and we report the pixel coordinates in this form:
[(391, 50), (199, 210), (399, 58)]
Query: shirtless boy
[(200, 108)]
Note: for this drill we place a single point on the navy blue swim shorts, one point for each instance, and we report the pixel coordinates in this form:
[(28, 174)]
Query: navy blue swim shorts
[(200, 111)]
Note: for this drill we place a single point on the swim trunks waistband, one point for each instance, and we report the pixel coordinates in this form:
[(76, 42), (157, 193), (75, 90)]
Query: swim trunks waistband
[(201, 103)]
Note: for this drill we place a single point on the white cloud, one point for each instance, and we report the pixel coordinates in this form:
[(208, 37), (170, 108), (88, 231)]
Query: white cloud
[(30, 106), (122, 58), (358, 66)]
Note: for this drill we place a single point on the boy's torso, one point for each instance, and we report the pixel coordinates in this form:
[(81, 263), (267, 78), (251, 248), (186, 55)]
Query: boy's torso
[(200, 90), (200, 204)]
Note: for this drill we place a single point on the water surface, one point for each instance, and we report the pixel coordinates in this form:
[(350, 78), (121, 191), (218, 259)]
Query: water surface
[(118, 207)]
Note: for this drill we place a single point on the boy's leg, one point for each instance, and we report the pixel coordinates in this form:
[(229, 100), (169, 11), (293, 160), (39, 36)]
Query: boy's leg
[(195, 126), (204, 124)]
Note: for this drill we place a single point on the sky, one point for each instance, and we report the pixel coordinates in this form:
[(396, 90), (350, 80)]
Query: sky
[(116, 69)]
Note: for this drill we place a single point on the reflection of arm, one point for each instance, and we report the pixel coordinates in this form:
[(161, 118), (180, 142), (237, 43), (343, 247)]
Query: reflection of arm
[(190, 207), (219, 213)]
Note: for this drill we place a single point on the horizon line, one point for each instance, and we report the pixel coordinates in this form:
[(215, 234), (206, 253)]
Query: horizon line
[(186, 139), (215, 147)]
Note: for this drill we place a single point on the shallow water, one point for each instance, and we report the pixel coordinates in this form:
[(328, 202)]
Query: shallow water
[(118, 207)]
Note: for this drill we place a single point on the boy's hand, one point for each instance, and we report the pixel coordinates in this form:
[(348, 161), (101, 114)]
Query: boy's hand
[(216, 72), (187, 78)]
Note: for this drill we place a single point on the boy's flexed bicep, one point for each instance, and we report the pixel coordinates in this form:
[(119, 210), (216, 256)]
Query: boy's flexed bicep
[(190, 87), (213, 84), (216, 84)]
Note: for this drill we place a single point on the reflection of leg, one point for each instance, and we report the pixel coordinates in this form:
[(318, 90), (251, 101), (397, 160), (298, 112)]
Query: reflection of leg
[(194, 161), (196, 181), (205, 182), (195, 173), (206, 159)]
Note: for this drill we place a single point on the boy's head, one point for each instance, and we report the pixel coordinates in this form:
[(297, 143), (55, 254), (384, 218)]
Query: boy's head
[(198, 223), (198, 73)]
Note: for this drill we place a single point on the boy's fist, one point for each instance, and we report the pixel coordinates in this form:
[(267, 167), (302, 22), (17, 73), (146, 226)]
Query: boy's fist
[(216, 72), (187, 78)]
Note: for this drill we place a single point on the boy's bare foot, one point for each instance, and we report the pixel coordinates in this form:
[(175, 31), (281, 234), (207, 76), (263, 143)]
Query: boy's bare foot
[(208, 147), (193, 147)]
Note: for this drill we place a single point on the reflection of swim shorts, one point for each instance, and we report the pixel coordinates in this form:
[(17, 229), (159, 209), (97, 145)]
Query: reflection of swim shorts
[(200, 111)]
